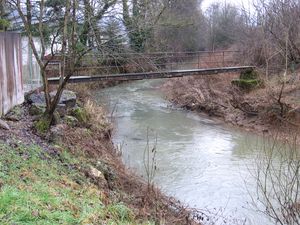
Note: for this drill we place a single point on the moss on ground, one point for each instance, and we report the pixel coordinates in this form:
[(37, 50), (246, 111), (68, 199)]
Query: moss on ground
[(248, 80), (249, 74), (42, 125), (39, 188)]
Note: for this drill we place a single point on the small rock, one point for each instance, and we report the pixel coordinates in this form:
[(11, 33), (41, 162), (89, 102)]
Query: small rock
[(109, 174), (36, 98), (4, 125), (96, 173), (56, 133), (67, 98)]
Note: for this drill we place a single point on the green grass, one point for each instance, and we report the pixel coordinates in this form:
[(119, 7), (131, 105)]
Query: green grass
[(36, 188)]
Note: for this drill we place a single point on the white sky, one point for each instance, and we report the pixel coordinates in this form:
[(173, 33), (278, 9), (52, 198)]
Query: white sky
[(246, 3)]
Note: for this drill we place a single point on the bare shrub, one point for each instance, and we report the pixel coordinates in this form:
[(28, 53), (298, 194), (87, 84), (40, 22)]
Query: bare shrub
[(149, 160), (278, 181)]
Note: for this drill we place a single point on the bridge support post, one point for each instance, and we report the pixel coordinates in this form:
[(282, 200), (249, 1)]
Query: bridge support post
[(223, 62)]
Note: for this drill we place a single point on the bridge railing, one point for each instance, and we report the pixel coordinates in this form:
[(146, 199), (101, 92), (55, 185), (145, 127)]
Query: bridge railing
[(97, 63)]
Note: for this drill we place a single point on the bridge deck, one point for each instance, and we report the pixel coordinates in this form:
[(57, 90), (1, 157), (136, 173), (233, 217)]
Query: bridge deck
[(151, 75)]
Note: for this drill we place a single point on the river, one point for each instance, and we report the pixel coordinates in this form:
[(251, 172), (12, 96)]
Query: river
[(200, 161)]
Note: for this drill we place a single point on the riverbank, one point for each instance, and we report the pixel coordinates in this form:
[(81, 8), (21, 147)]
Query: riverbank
[(75, 175), (257, 111)]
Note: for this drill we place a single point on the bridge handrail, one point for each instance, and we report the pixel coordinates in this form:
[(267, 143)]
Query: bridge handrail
[(183, 52), (151, 75), (163, 54)]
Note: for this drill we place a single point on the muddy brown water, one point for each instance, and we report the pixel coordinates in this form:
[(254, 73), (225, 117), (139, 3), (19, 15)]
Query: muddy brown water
[(199, 160)]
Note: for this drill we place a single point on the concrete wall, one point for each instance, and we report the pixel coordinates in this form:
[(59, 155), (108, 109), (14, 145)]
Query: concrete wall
[(11, 84)]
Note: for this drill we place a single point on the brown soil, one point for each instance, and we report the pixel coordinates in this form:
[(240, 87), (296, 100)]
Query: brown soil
[(92, 143), (257, 110)]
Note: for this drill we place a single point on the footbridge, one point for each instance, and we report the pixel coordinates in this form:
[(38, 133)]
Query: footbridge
[(151, 75), (135, 66)]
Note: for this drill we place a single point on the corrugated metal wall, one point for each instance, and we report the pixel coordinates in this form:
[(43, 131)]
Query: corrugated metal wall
[(11, 86)]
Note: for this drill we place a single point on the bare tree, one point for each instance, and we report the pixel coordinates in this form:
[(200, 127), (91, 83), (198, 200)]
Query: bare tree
[(1, 8), (140, 18), (278, 181), (225, 22), (266, 40), (62, 23), (93, 13), (32, 17), (182, 27)]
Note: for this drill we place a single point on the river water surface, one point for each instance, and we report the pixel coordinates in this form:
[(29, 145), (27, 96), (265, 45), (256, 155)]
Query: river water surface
[(200, 161)]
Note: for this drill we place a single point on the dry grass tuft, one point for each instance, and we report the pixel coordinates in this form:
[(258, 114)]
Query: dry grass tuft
[(97, 116)]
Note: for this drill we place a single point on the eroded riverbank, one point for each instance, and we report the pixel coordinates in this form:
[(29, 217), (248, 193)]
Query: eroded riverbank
[(258, 111)]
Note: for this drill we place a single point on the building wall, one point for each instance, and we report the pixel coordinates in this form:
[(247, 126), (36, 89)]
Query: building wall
[(11, 84)]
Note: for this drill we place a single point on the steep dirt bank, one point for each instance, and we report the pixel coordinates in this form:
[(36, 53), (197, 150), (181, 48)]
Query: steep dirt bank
[(258, 110), (82, 160)]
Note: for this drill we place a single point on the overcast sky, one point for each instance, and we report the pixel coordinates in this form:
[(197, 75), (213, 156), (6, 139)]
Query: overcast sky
[(245, 3)]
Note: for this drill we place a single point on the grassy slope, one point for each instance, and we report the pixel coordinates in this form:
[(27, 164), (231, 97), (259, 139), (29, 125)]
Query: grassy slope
[(38, 188)]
